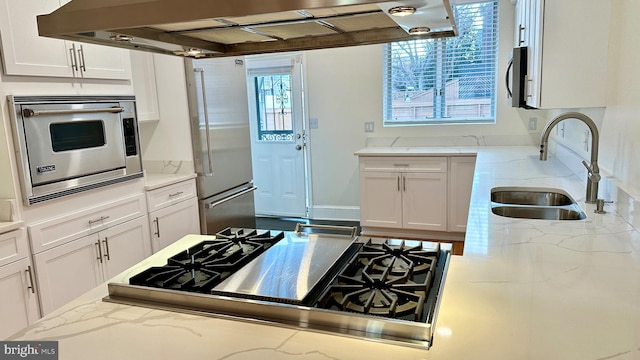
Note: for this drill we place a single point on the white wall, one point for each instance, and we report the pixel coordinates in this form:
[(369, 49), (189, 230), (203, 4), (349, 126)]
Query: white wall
[(345, 91)]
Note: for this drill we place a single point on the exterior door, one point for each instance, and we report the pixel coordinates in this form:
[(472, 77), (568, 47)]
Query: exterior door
[(278, 138)]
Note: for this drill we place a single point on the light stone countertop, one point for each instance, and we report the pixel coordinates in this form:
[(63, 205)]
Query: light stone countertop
[(525, 289)]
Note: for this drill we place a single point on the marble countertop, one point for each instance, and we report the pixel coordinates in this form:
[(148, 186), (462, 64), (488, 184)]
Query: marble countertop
[(524, 289), (154, 181)]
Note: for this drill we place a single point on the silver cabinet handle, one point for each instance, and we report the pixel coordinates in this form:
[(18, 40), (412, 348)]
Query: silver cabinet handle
[(83, 65), (404, 183), (74, 59), (31, 286), (398, 183), (97, 244), (206, 120), (102, 218), (520, 32), (157, 221), (176, 194), (106, 248)]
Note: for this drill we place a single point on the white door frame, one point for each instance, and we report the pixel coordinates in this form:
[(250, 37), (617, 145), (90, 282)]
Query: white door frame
[(274, 61)]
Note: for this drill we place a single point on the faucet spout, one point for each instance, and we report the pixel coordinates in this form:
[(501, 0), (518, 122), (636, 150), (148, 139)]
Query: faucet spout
[(593, 170)]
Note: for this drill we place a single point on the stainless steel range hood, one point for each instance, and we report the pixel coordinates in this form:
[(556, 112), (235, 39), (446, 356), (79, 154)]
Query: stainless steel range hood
[(200, 28)]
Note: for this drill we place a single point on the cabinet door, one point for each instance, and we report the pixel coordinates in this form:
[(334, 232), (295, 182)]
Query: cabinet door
[(124, 245), (380, 199), (521, 35), (67, 271), (173, 222), (24, 52), (144, 86), (19, 303), (102, 62), (461, 171), (424, 201)]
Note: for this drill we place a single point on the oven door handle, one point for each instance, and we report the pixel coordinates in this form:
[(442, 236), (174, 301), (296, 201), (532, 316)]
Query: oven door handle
[(212, 204), (33, 113)]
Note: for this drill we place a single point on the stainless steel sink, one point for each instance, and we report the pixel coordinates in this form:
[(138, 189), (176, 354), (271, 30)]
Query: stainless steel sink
[(542, 197), (538, 212), (534, 203)]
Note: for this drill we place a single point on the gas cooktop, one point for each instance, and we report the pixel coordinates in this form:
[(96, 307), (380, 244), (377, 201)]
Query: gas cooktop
[(321, 278)]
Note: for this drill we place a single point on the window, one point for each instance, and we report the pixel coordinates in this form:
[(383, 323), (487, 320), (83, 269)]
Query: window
[(445, 81), (273, 102)]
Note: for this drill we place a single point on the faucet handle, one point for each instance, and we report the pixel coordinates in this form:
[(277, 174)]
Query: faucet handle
[(589, 169)]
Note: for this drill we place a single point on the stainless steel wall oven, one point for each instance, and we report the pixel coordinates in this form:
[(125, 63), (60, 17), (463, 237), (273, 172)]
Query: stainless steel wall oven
[(68, 144)]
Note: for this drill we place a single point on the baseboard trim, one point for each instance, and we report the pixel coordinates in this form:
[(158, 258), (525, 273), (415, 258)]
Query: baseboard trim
[(341, 213)]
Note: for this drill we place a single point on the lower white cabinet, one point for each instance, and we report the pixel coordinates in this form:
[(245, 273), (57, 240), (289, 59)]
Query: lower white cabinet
[(171, 223), (407, 193), (173, 213), (19, 298), (69, 270), (461, 169), (420, 193)]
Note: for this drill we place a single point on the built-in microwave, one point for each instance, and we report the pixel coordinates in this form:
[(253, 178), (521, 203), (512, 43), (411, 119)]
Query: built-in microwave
[(516, 78), (68, 144)]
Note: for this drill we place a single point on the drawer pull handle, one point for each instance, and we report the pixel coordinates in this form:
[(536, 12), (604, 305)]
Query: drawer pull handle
[(401, 165), (31, 287), (176, 194), (97, 244), (157, 233), (106, 248), (102, 218)]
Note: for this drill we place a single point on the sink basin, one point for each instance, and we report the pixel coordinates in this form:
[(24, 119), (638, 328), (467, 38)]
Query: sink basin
[(537, 212), (534, 203), (531, 196)]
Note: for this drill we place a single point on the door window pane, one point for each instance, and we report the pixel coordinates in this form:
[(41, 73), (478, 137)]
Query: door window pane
[(273, 99)]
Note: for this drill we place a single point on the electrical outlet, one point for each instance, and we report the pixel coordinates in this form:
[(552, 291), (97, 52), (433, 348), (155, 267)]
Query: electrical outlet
[(533, 123), (313, 123), (368, 127)]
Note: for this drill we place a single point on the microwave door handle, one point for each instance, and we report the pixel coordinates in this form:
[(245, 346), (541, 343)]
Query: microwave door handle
[(506, 78), (206, 121), (33, 113)]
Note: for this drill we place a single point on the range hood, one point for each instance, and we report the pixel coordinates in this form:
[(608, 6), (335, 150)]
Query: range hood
[(201, 28)]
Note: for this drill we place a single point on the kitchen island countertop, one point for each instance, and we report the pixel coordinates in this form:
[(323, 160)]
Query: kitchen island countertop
[(525, 289)]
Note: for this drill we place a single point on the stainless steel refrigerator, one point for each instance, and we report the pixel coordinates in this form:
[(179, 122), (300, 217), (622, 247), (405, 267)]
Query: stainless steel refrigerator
[(217, 94)]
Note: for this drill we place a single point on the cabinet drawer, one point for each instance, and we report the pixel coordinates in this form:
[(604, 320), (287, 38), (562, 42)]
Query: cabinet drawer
[(404, 164), (171, 194), (13, 246), (60, 230)]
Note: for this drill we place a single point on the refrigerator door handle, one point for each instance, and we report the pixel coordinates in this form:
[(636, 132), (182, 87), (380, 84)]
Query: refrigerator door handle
[(206, 121), (213, 204)]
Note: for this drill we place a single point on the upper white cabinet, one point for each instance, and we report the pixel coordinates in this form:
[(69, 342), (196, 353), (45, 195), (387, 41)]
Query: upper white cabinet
[(567, 51), (143, 74), (26, 53)]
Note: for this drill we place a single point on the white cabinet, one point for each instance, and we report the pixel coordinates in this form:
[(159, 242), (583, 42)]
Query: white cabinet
[(75, 252), (69, 270), (408, 193), (143, 75), (173, 213), (567, 51), (26, 53), (19, 298), (461, 171)]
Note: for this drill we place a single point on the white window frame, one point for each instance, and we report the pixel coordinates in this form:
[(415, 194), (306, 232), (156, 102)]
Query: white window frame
[(434, 101)]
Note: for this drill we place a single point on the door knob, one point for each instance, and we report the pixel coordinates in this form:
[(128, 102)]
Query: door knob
[(298, 147)]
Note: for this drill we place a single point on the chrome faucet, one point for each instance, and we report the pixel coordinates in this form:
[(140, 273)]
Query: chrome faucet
[(593, 172)]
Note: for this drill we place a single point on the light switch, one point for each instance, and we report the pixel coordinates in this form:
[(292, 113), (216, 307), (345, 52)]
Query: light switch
[(368, 127)]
